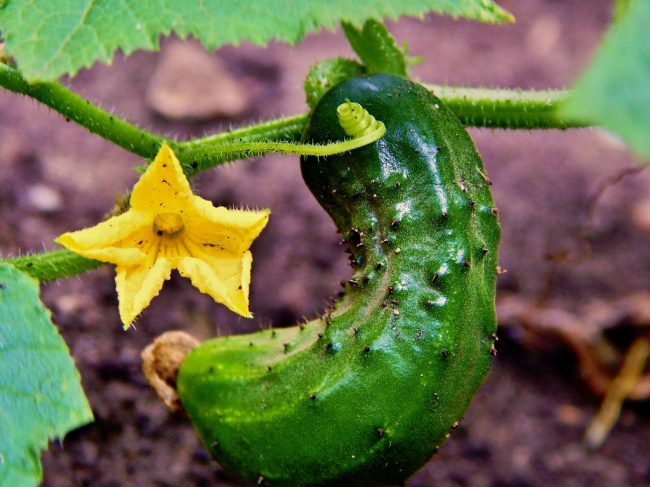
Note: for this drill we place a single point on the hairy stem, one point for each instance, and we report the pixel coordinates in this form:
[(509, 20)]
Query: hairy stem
[(476, 107), (506, 109), (205, 156), (196, 155), (288, 129), (48, 266), (81, 111)]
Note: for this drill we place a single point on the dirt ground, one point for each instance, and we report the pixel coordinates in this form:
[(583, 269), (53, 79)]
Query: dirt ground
[(559, 294)]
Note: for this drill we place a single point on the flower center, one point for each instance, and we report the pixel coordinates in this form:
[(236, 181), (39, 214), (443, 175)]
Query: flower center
[(169, 223)]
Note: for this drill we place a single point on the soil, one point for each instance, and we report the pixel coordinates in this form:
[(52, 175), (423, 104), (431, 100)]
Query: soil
[(526, 426)]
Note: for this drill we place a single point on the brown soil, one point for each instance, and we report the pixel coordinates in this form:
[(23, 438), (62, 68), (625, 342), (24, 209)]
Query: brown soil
[(526, 425)]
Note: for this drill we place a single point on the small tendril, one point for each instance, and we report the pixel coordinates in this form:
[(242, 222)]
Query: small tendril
[(356, 121)]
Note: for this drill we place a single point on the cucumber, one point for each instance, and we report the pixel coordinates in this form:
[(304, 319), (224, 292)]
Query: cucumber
[(367, 393)]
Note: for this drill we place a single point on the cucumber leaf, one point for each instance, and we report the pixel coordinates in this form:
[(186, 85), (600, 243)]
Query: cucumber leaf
[(40, 391), (50, 38), (614, 91)]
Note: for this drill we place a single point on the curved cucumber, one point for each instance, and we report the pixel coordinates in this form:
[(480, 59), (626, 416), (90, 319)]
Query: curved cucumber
[(366, 394)]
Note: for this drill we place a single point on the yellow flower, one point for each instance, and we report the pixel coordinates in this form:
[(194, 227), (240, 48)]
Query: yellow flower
[(168, 227)]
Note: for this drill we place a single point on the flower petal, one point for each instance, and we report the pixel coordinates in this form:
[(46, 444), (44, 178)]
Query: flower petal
[(232, 230), (101, 242), (226, 280), (137, 286), (163, 188)]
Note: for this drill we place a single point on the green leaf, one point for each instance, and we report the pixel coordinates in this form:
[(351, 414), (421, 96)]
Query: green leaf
[(40, 392), (376, 48), (614, 92), (50, 38)]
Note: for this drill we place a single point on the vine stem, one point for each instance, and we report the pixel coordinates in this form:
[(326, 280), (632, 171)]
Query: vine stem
[(475, 107), (286, 129), (505, 109), (197, 155), (75, 108), (205, 156)]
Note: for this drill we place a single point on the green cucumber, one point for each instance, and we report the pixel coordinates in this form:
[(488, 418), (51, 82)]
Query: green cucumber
[(366, 394)]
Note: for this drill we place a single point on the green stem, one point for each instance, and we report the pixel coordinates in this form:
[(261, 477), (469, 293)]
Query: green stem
[(506, 109), (53, 265), (476, 107), (203, 153), (81, 111), (205, 156), (288, 129)]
